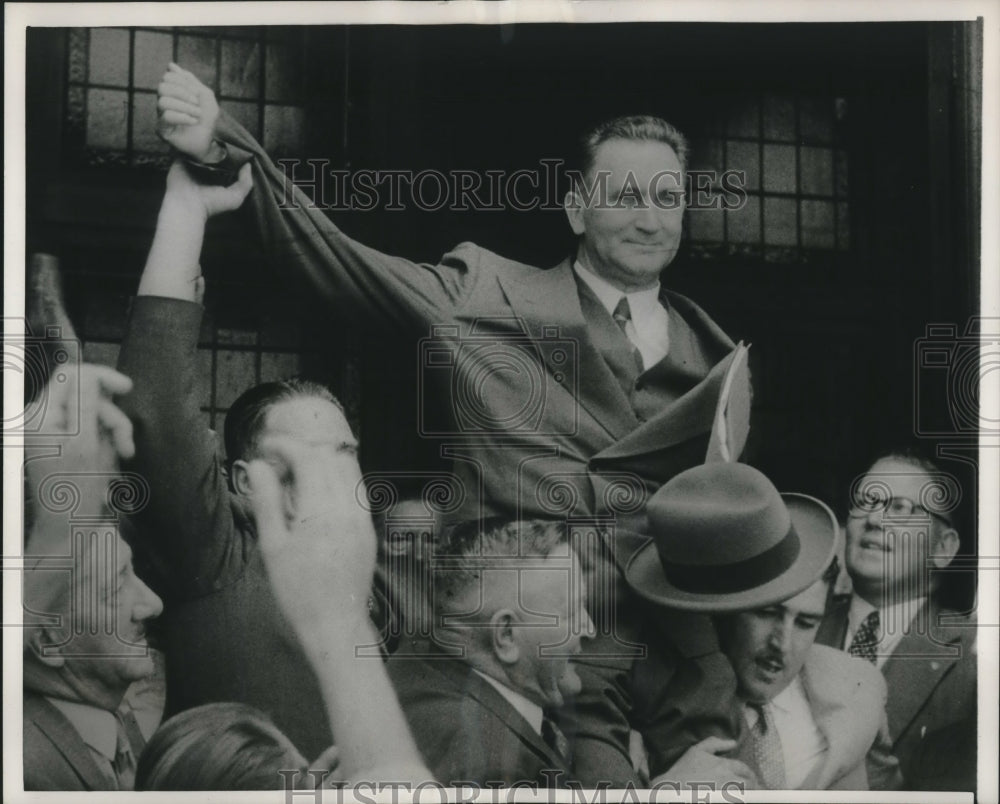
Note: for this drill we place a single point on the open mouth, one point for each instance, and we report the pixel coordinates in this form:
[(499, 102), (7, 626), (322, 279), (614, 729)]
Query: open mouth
[(769, 666)]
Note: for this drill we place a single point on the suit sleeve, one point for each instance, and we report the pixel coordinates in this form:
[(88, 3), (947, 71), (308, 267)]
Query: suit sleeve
[(385, 290), (881, 765), (186, 533)]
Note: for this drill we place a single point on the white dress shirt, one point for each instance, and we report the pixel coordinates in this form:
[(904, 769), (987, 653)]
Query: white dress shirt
[(803, 745), (97, 727), (648, 329), (894, 623), (528, 709)]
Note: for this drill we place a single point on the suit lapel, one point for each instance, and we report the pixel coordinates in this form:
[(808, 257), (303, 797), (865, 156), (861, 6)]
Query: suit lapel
[(480, 691), (551, 299), (911, 674), (67, 741), (833, 629)]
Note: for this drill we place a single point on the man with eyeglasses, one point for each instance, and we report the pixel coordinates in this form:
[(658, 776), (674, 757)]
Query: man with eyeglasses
[(900, 536)]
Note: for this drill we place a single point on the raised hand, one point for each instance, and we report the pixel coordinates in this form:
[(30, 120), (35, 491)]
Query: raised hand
[(213, 200), (187, 112), (317, 541)]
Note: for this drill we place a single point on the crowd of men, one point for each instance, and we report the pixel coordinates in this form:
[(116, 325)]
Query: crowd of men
[(701, 639)]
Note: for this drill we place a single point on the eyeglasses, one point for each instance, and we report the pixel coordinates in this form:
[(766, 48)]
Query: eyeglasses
[(901, 507)]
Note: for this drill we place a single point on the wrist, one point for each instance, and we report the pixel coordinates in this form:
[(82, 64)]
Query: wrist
[(182, 208)]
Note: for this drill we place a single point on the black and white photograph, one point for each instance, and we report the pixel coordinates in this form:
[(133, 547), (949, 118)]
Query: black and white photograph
[(557, 401)]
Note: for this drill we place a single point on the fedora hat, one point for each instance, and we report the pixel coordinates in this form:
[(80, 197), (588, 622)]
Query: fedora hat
[(723, 540)]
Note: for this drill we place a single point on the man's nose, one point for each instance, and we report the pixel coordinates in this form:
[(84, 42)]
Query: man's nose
[(587, 627), (780, 637), (148, 604), (648, 217)]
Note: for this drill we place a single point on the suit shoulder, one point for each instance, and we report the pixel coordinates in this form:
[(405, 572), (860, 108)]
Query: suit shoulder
[(854, 671)]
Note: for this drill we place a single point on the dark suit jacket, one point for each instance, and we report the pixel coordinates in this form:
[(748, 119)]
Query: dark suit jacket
[(561, 427), (932, 712), (223, 636), (55, 755), (466, 730)]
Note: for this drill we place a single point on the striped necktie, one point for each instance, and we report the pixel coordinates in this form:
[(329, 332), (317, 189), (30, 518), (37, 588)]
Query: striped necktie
[(623, 317)]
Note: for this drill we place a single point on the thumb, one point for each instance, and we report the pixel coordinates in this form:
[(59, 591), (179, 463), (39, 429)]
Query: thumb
[(244, 183), (266, 502), (715, 745)]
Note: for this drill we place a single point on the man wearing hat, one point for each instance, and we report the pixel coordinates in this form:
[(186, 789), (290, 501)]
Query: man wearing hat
[(726, 543)]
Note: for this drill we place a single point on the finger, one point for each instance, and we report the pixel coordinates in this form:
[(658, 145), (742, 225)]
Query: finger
[(111, 382), (715, 745), (167, 102), (244, 182), (326, 761), (267, 505), (185, 77), (118, 428), (178, 119), (173, 87)]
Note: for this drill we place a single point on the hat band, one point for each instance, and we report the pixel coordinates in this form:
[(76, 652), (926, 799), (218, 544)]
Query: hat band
[(740, 576)]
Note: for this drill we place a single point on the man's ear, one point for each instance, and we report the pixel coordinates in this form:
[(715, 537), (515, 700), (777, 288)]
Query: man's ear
[(40, 641), (574, 211), (239, 478), (504, 641), (944, 548)]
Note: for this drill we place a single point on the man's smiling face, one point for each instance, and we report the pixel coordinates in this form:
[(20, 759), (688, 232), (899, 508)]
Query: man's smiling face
[(630, 227)]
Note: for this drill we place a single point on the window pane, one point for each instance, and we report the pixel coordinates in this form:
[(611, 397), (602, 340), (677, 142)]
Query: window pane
[(283, 72), (817, 171), (745, 157), (240, 69), (153, 52), (705, 225), (779, 222), (816, 119), (109, 56), (234, 373), (144, 136), (779, 119), (107, 118), (745, 119), (706, 154), (779, 168), (744, 223), (283, 129), (278, 366), (245, 114), (197, 54), (817, 224)]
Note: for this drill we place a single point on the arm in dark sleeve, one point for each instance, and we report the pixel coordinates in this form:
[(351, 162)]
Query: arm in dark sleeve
[(684, 691), (186, 532), (384, 289)]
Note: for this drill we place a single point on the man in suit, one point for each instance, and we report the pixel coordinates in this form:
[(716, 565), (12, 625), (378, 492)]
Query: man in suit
[(562, 387), (87, 644), (568, 392), (900, 535), (509, 617), (726, 543)]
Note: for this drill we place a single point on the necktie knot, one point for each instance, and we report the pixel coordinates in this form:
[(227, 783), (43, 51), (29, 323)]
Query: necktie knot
[(866, 638), (622, 313)]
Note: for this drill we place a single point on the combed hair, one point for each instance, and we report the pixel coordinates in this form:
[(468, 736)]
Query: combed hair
[(506, 544), (246, 416), (634, 127), (219, 746)]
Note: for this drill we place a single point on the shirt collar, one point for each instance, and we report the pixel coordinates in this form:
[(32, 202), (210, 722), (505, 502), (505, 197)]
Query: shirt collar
[(528, 709), (97, 727), (642, 303)]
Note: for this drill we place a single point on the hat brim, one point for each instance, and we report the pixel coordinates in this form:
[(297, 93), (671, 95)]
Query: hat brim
[(817, 529)]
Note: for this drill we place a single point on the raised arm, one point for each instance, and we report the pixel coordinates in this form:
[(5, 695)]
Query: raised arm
[(187, 529), (318, 545), (384, 290)]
